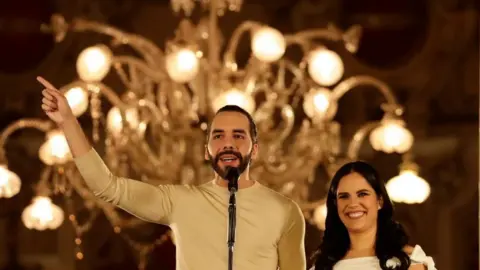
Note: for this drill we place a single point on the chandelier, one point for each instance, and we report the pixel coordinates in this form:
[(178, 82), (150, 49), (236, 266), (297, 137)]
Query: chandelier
[(154, 131)]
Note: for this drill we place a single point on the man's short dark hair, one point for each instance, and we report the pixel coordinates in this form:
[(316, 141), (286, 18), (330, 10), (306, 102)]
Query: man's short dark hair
[(235, 108)]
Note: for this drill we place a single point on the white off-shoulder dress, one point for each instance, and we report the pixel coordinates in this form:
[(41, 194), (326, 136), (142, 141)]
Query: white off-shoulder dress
[(418, 256)]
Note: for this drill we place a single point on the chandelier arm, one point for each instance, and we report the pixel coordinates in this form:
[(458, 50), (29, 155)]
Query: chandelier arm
[(305, 38), (158, 165), (111, 96), (148, 163), (116, 101), (358, 138), (201, 97), (42, 188), (288, 119), (280, 82), (152, 72), (152, 54), (229, 56), (96, 87), (152, 107), (352, 82), (42, 125)]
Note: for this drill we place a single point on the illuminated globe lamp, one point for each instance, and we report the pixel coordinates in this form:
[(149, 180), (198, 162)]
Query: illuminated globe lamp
[(391, 136), (115, 123), (94, 63), (42, 214), (408, 187), (55, 150), (325, 67), (268, 44), (77, 98), (234, 97), (182, 65), (10, 183), (318, 104)]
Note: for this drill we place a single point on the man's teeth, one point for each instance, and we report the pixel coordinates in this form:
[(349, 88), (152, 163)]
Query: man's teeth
[(355, 214)]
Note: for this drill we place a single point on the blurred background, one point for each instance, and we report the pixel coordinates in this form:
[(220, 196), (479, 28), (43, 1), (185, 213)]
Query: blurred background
[(395, 83)]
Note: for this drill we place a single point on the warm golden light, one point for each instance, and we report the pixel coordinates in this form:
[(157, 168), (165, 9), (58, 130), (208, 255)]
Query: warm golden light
[(268, 44), (78, 100), (114, 120), (94, 63), (317, 103), (408, 187), (42, 214), (325, 67), (320, 215), (391, 136), (182, 65), (234, 97), (10, 183), (55, 149)]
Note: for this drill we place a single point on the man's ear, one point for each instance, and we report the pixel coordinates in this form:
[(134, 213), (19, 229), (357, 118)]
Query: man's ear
[(254, 150)]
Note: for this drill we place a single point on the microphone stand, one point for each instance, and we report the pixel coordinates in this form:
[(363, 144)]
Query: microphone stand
[(232, 177)]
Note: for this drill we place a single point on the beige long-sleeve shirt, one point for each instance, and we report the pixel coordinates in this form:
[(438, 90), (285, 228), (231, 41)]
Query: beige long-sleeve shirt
[(270, 227)]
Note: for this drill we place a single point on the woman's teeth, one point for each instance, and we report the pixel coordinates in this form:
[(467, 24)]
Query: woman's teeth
[(355, 215)]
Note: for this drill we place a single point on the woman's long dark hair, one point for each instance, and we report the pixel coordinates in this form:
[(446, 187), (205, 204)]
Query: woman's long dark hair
[(391, 237)]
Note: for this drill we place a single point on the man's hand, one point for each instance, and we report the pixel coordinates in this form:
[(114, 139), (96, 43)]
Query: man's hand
[(54, 103)]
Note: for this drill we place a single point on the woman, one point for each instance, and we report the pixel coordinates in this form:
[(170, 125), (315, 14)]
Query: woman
[(360, 232)]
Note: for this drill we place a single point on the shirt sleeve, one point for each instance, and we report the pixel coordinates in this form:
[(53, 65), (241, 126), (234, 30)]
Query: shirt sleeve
[(419, 256), (145, 201), (291, 247)]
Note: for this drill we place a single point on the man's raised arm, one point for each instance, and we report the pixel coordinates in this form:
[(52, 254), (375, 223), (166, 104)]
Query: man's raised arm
[(143, 200)]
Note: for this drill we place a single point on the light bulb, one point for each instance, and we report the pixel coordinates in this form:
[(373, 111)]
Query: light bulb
[(10, 183), (391, 136), (182, 65), (42, 214), (408, 187), (114, 120), (55, 149), (77, 99), (325, 67), (234, 97), (317, 102), (94, 63), (268, 44)]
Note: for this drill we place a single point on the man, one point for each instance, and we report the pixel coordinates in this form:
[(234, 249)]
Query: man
[(269, 229)]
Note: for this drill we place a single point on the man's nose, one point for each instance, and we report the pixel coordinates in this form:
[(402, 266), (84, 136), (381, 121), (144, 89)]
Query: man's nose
[(228, 144)]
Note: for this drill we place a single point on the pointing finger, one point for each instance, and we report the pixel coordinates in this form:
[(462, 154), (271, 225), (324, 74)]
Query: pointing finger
[(46, 83), (47, 94), (55, 93)]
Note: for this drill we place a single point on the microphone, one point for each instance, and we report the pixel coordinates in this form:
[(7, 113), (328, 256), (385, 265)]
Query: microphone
[(231, 175)]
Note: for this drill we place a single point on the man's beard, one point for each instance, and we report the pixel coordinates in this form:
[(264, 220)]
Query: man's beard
[(243, 161)]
